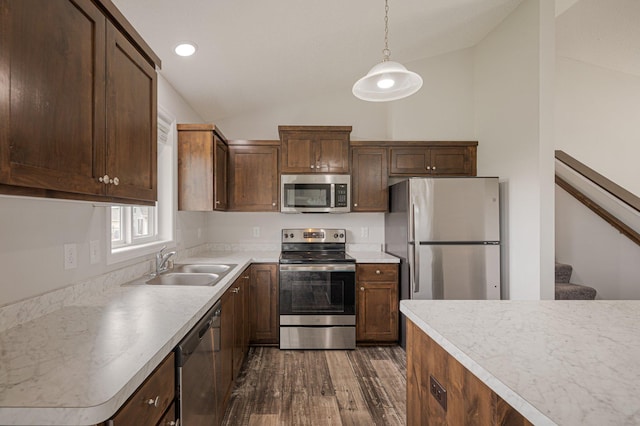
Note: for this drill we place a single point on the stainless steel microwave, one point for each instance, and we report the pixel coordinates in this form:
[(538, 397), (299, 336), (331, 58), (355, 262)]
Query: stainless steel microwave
[(315, 193)]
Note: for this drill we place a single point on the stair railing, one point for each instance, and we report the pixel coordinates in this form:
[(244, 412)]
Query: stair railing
[(605, 184)]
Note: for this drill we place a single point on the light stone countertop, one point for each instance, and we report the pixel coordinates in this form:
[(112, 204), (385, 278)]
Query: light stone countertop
[(78, 364), (373, 257), (556, 362)]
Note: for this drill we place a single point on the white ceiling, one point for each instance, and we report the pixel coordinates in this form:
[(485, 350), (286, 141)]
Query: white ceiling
[(255, 54)]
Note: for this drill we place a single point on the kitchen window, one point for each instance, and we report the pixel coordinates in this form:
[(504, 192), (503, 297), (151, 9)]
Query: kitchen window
[(135, 231)]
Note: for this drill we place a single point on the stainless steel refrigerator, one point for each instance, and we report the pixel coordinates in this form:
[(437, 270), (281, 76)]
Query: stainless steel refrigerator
[(446, 232)]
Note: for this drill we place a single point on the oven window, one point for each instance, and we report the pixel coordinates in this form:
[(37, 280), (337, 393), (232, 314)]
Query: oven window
[(304, 293), (307, 195)]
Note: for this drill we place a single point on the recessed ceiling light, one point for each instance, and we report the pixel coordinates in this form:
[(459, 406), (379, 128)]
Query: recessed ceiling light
[(186, 49)]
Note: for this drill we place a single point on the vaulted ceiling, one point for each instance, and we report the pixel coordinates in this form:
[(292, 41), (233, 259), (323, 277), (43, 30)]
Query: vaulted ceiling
[(256, 54)]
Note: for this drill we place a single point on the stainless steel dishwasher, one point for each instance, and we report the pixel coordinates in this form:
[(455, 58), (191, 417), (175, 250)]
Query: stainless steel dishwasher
[(198, 367)]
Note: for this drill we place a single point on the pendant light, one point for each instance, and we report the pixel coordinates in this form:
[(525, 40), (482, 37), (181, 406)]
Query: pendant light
[(388, 80)]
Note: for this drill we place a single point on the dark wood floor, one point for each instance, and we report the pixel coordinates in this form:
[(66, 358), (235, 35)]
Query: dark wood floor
[(366, 386)]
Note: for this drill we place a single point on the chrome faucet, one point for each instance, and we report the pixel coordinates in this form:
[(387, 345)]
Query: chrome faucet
[(162, 260)]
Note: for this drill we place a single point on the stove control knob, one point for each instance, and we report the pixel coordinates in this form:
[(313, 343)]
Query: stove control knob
[(286, 236), (335, 235), (291, 235), (341, 235)]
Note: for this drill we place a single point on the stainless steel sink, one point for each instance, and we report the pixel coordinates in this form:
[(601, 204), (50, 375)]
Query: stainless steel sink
[(184, 278), (193, 274), (221, 269)]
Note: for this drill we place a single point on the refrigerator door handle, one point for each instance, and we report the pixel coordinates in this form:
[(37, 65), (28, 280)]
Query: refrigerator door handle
[(415, 255)]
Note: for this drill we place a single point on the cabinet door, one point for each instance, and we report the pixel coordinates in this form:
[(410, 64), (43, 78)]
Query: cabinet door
[(238, 325), (264, 304), (195, 170), (369, 180), (377, 303), (221, 157), (131, 120), (454, 161), (410, 161), (298, 153), (253, 178), (226, 342), (332, 154), (52, 113)]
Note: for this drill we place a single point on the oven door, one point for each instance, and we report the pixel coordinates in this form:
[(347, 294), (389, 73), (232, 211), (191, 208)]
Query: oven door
[(317, 294)]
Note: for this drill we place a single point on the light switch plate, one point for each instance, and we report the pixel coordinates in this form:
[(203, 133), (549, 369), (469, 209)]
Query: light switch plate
[(94, 251), (70, 256)]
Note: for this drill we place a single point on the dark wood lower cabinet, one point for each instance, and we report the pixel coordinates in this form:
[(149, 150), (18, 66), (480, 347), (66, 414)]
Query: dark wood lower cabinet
[(377, 303), (264, 304), (468, 401)]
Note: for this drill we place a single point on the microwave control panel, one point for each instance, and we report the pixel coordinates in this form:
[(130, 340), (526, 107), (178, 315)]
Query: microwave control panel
[(341, 195)]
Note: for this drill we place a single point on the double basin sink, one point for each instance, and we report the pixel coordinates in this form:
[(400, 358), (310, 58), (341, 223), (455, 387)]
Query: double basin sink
[(196, 274)]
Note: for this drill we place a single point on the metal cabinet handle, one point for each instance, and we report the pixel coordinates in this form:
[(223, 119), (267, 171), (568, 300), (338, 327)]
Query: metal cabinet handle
[(433, 168), (115, 181), (217, 202), (235, 290), (378, 272), (361, 288), (355, 204), (154, 402), (273, 204), (313, 167), (428, 167)]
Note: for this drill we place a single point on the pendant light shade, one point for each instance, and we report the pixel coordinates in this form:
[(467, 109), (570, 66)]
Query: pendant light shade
[(388, 80)]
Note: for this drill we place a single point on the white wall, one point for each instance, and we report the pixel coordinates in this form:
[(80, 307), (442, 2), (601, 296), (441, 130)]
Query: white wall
[(33, 232), (601, 256), (443, 109), (234, 227), (597, 119), (511, 85), (369, 120)]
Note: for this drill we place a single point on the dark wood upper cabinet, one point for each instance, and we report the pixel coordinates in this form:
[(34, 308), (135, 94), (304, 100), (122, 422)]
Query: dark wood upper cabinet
[(369, 179), (202, 168), (79, 103), (315, 149), (433, 159), (131, 120), (254, 176)]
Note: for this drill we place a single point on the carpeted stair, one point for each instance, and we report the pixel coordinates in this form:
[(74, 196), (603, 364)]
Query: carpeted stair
[(567, 291)]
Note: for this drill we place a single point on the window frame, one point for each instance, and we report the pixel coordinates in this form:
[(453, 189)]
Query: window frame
[(164, 223)]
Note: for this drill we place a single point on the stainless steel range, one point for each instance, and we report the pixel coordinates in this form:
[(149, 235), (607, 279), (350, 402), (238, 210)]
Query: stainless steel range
[(317, 290)]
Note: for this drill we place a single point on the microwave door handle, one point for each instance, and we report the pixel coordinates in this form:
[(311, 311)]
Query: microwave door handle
[(332, 194)]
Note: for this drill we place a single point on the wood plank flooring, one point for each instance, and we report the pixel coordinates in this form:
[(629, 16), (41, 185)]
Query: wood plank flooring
[(366, 386)]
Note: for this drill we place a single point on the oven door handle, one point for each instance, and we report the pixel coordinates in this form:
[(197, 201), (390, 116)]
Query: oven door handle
[(318, 268)]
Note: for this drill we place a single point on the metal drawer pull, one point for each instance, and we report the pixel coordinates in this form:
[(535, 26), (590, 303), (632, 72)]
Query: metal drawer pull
[(361, 288), (154, 402), (378, 272)]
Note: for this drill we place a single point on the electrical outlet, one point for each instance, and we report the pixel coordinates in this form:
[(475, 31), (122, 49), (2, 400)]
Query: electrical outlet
[(70, 256), (256, 232), (94, 251)]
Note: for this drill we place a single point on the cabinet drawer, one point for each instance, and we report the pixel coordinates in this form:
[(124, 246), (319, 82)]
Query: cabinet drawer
[(141, 408), (377, 272)]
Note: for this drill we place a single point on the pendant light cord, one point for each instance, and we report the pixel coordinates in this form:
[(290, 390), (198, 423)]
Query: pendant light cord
[(386, 52)]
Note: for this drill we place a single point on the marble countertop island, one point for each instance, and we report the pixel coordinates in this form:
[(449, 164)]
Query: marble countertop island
[(556, 362)]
